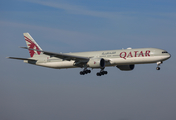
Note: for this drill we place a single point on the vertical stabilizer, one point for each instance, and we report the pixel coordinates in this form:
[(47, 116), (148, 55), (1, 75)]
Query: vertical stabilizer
[(32, 44)]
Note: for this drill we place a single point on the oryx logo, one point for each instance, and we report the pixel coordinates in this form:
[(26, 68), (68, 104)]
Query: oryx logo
[(94, 62), (32, 45)]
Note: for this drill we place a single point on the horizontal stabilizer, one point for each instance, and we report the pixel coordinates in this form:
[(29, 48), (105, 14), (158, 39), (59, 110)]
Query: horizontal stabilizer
[(21, 58)]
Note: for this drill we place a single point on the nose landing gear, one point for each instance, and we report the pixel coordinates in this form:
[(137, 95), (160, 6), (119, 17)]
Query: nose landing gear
[(158, 64), (158, 68)]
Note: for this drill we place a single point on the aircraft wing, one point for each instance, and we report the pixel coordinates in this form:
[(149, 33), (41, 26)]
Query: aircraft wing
[(21, 58), (62, 55)]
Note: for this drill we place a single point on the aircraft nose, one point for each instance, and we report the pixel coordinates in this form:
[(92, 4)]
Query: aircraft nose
[(169, 55)]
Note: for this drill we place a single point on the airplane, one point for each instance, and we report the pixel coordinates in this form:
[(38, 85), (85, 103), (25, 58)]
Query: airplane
[(124, 59)]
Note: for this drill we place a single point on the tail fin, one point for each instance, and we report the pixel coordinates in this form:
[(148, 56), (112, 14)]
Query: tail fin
[(32, 44)]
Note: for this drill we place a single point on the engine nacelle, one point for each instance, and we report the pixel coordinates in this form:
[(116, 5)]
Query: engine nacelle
[(96, 63), (125, 67)]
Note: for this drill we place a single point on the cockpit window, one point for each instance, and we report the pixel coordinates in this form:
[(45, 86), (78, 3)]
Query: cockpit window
[(164, 52)]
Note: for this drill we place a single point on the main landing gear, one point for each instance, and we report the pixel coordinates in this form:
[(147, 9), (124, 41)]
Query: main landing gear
[(85, 71), (158, 64), (102, 72)]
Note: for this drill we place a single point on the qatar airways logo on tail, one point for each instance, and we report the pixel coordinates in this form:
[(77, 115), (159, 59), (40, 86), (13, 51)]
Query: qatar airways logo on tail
[(32, 45), (126, 55)]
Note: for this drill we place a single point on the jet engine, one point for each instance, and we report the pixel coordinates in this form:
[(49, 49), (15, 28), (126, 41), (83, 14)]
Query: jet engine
[(125, 67), (96, 63)]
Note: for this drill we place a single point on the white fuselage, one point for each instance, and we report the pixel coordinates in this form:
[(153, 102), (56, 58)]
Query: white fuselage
[(113, 57)]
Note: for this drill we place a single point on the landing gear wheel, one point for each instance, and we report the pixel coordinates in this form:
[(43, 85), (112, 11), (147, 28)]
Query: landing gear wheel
[(82, 73), (157, 68), (98, 74), (102, 73), (105, 72), (85, 71), (89, 71)]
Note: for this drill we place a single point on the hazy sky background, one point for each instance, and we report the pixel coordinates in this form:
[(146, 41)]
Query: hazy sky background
[(30, 92)]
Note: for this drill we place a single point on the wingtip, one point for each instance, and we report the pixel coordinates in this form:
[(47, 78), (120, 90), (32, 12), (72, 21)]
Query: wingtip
[(24, 47)]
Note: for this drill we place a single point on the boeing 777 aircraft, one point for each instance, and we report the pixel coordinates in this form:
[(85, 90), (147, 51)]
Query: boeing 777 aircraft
[(124, 59)]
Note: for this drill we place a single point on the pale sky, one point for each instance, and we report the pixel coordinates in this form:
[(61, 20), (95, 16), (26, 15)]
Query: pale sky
[(29, 92)]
